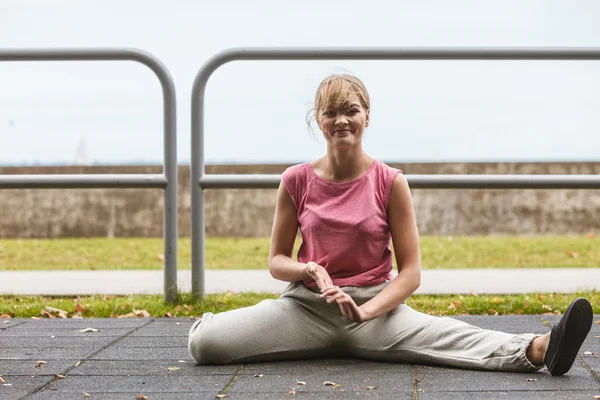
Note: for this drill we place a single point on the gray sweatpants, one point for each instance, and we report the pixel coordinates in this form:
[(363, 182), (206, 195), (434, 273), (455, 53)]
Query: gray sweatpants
[(300, 324)]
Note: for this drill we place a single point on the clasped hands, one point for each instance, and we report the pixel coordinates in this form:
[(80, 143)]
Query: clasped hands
[(333, 293)]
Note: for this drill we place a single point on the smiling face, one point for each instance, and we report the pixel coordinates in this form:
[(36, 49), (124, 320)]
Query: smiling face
[(344, 125), (342, 110)]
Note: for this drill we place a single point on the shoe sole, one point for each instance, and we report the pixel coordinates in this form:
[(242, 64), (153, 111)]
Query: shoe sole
[(572, 330)]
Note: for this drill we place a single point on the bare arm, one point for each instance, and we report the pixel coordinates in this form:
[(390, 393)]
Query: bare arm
[(283, 235), (405, 239)]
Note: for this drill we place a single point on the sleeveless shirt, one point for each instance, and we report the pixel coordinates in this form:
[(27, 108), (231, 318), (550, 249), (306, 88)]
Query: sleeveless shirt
[(344, 226)]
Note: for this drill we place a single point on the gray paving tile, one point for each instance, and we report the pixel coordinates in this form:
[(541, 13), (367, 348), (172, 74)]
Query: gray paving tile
[(54, 395), (27, 367), (456, 380), (24, 331), (349, 382), (45, 353), (128, 353), (141, 384), (594, 364), (508, 323), (508, 395), (59, 341), (160, 367), (372, 394), (325, 366), (46, 323), (163, 329), (153, 341), (21, 385)]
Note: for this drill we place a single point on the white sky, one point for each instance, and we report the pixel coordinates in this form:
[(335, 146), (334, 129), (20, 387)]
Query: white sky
[(421, 110)]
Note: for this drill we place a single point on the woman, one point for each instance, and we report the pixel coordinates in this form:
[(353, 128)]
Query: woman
[(342, 299)]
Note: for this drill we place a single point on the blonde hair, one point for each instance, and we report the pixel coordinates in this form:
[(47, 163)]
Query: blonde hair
[(335, 92)]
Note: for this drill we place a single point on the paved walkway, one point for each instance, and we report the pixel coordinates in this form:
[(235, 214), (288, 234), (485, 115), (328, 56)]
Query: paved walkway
[(498, 281), (52, 359)]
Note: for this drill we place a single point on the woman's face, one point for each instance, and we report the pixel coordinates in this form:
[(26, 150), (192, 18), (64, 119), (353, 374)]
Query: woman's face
[(345, 126)]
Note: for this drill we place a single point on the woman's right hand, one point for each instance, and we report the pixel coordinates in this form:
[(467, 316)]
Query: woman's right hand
[(319, 274)]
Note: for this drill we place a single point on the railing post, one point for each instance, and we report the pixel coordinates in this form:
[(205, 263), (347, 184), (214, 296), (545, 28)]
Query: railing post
[(199, 180), (167, 181)]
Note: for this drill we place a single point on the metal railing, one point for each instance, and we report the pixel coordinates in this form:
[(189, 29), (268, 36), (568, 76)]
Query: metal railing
[(200, 180), (166, 181)]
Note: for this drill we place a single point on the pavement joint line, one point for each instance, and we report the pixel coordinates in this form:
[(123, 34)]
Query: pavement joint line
[(229, 384), (82, 361), (2, 328), (415, 383), (589, 369)]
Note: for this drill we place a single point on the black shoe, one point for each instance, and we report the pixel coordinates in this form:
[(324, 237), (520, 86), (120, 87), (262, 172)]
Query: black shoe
[(567, 336)]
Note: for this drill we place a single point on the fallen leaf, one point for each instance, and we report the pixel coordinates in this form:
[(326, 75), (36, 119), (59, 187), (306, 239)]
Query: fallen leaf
[(371, 387), (7, 384), (52, 337), (258, 375), (140, 397), (597, 397), (337, 385), (78, 364), (161, 257), (597, 322), (292, 391), (142, 313), (128, 315), (90, 330), (6, 322), (496, 300), (588, 353), (173, 368), (591, 235), (472, 294), (531, 380), (300, 383), (7, 315), (417, 380), (35, 317), (572, 254), (181, 361), (546, 307), (39, 364), (85, 394), (59, 376), (2, 380), (79, 308), (597, 337), (221, 396), (53, 312), (328, 383), (187, 307), (168, 315)]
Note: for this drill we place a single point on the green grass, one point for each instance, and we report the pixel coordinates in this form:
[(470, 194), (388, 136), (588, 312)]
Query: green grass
[(252, 253), (187, 306)]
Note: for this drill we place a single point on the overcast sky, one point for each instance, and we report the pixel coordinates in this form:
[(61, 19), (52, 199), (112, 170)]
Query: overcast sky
[(255, 111)]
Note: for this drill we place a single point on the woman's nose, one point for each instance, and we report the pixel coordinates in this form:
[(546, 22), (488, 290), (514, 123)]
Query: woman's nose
[(341, 119)]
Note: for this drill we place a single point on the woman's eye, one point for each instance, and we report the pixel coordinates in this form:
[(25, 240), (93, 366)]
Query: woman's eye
[(329, 114)]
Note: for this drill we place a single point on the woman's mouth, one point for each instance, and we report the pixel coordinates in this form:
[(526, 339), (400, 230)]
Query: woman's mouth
[(342, 132)]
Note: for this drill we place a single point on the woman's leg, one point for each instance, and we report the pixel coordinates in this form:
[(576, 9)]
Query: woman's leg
[(290, 327), (408, 336)]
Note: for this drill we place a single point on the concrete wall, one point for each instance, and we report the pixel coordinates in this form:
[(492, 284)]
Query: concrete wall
[(48, 213)]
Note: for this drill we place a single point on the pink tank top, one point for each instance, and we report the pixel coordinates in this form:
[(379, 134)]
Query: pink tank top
[(344, 226)]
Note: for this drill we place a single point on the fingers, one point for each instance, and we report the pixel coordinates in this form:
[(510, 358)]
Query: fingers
[(335, 294)]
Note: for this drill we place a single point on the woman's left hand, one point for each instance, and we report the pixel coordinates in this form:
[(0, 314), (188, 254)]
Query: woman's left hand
[(347, 306)]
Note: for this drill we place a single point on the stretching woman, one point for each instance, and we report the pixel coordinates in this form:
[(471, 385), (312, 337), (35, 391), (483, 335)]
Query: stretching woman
[(342, 299)]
